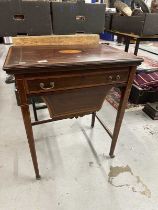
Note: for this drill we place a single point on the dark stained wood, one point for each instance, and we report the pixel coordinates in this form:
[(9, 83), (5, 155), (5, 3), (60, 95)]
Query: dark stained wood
[(76, 101), (27, 123), (121, 110), (138, 38), (72, 84), (93, 119), (48, 58), (105, 127), (71, 81)]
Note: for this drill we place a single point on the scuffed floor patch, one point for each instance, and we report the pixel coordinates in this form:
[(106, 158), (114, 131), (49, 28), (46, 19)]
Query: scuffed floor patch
[(120, 176)]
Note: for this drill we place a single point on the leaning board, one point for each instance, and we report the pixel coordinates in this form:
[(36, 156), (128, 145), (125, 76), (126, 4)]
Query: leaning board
[(77, 39)]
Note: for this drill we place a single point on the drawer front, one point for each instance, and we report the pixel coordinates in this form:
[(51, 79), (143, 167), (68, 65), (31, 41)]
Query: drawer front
[(53, 83)]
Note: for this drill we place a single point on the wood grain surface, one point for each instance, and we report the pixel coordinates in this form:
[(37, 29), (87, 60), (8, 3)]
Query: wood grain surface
[(71, 84), (77, 39), (48, 58)]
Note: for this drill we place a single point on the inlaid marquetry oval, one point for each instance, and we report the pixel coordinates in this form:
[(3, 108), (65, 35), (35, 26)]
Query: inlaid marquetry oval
[(70, 51)]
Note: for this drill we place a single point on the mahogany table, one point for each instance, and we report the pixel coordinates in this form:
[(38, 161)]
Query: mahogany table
[(137, 38), (72, 80)]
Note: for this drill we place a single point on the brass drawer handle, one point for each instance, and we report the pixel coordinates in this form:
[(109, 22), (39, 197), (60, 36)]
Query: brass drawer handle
[(49, 88), (110, 78), (118, 77)]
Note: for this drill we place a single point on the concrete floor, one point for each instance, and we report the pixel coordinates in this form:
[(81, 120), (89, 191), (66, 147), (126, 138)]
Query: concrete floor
[(76, 171)]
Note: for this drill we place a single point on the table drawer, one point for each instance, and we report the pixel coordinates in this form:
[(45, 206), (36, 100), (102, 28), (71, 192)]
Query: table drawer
[(53, 83)]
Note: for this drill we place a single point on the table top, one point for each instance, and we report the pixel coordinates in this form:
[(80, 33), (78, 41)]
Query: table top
[(24, 59), (133, 35)]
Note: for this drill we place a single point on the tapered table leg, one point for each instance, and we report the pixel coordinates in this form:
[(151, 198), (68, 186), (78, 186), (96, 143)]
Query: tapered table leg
[(121, 111), (136, 47), (93, 119), (27, 122), (127, 43), (34, 109)]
